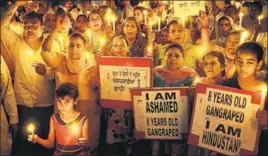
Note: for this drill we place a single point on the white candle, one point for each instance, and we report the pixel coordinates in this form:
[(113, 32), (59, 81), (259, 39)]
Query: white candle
[(113, 20), (237, 5), (260, 18), (159, 23), (61, 42), (145, 17), (89, 35), (240, 19), (183, 21), (76, 130), (263, 97), (31, 129), (243, 37), (150, 50)]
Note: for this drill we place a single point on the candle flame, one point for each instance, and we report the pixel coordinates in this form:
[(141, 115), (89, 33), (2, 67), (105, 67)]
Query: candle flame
[(260, 17), (29, 52), (241, 14), (31, 128), (75, 128)]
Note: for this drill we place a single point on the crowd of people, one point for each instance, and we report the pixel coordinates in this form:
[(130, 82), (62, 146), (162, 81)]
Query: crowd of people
[(49, 69)]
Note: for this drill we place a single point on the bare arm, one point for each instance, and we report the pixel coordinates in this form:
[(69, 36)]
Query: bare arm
[(50, 141), (47, 53)]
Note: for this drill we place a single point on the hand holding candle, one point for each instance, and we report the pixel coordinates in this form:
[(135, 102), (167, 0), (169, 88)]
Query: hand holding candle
[(260, 18), (32, 137)]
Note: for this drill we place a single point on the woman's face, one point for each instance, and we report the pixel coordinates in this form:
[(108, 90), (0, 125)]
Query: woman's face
[(232, 44), (130, 29), (95, 22), (119, 47), (76, 48), (212, 66), (66, 24), (82, 23), (138, 16), (176, 33), (174, 59), (225, 26)]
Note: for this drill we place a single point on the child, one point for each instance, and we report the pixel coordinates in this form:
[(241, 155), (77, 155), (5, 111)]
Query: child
[(248, 61), (69, 127)]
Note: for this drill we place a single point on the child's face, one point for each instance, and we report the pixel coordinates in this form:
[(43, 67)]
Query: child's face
[(95, 22), (212, 66), (138, 16), (76, 47), (119, 47), (65, 104), (82, 23), (176, 33), (130, 29), (246, 64), (174, 59), (232, 44)]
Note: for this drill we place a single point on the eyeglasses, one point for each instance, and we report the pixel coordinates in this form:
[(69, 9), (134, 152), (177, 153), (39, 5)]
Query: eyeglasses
[(27, 27), (170, 55)]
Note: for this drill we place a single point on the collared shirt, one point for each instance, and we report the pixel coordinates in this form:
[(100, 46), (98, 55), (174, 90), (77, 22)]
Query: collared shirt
[(31, 89), (7, 95)]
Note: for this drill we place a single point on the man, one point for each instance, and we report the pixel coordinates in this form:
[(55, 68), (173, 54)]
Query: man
[(8, 110), (34, 93)]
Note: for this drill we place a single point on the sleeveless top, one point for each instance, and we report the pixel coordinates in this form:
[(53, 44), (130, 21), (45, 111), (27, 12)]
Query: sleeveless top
[(66, 137)]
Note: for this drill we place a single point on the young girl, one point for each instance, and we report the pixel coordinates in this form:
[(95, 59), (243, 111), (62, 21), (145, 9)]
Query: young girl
[(69, 127)]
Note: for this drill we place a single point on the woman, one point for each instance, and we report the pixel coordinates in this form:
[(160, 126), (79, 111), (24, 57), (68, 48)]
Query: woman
[(120, 129), (174, 65), (137, 43), (213, 66)]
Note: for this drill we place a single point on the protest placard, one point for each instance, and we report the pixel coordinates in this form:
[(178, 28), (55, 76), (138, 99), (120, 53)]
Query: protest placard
[(188, 8), (161, 113), (118, 75), (224, 120)]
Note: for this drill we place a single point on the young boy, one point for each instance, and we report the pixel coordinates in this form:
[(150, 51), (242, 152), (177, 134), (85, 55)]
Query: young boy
[(69, 127), (248, 61)]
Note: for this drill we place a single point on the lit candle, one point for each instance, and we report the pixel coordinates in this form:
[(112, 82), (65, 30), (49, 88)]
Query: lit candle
[(183, 21), (240, 19), (75, 127), (31, 129), (150, 50), (60, 38), (113, 20), (145, 17), (243, 37), (263, 97), (102, 41), (159, 23), (108, 15), (88, 32), (260, 18), (29, 52), (237, 5), (151, 25)]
